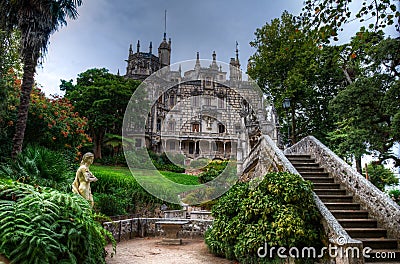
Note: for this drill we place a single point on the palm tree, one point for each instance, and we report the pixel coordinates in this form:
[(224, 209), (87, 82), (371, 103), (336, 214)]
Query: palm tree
[(36, 20)]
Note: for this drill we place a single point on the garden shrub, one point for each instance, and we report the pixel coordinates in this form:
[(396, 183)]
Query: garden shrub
[(42, 225), (381, 176), (395, 195), (212, 170), (118, 194), (280, 211), (37, 165), (162, 162)]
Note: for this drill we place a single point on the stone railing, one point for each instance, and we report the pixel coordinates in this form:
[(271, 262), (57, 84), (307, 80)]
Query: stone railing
[(145, 227), (267, 157), (377, 203)]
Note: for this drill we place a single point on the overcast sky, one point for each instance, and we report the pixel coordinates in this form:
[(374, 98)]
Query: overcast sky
[(101, 35)]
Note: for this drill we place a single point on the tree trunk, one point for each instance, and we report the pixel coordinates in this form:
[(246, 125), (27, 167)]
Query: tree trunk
[(30, 62), (358, 164), (98, 137)]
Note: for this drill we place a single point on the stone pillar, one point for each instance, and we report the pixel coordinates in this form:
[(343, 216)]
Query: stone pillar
[(224, 150)]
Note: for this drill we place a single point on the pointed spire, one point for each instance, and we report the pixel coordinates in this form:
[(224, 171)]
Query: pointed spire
[(180, 69), (214, 62), (118, 73), (237, 52), (197, 66), (130, 49), (165, 25), (151, 48), (138, 46)]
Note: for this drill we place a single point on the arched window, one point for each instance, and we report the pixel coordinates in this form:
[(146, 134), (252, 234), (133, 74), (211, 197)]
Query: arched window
[(221, 128), (158, 124), (195, 127)]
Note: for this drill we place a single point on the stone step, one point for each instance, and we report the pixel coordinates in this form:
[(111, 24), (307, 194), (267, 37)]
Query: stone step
[(320, 179), (336, 198), (295, 162), (330, 192), (350, 214), (325, 186), (342, 206), (379, 243), (383, 256), (302, 164), (309, 169), (298, 156), (314, 174), (366, 232), (358, 223)]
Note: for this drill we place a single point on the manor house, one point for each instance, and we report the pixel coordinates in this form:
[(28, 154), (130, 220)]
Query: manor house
[(205, 111)]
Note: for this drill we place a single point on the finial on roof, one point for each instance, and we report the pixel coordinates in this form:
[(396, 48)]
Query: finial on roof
[(151, 47), (130, 49), (237, 51), (214, 55), (165, 24), (138, 46)]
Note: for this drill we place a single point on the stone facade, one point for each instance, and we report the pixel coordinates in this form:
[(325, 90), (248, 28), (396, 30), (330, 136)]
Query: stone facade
[(202, 113)]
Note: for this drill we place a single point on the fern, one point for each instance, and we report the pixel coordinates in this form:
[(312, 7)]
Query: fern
[(47, 226)]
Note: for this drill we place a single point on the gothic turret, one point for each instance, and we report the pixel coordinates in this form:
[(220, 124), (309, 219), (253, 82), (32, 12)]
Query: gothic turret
[(164, 52), (234, 67)]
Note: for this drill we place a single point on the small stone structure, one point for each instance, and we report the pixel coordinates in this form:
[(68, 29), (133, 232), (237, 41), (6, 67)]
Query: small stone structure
[(171, 230), (142, 227)]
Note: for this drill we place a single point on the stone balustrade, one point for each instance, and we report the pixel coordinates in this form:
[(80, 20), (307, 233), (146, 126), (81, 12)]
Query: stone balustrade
[(266, 157), (378, 204)]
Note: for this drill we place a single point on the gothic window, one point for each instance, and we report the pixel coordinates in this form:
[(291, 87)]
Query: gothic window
[(171, 100), (221, 128), (195, 127), (207, 101), (221, 103), (195, 101), (208, 81), (171, 126), (158, 124)]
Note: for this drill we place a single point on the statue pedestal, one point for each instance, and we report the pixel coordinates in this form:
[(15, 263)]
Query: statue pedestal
[(171, 229)]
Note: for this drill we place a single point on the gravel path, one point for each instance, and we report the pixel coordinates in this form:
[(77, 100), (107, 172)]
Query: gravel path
[(149, 251)]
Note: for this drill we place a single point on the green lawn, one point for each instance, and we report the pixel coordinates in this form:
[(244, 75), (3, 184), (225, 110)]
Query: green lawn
[(180, 178)]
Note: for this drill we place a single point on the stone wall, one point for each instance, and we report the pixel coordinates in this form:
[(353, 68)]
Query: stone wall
[(148, 227)]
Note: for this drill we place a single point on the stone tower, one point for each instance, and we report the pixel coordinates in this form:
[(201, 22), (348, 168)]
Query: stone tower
[(164, 52), (234, 67)]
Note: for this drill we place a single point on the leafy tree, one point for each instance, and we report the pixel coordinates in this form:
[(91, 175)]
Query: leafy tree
[(102, 98), (36, 20), (10, 67), (328, 17), (289, 63), (381, 176), (53, 122), (369, 107)]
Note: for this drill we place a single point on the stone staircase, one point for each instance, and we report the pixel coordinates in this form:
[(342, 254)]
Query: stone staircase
[(350, 215)]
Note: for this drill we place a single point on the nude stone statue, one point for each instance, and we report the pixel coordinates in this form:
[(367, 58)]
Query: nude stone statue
[(84, 177)]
